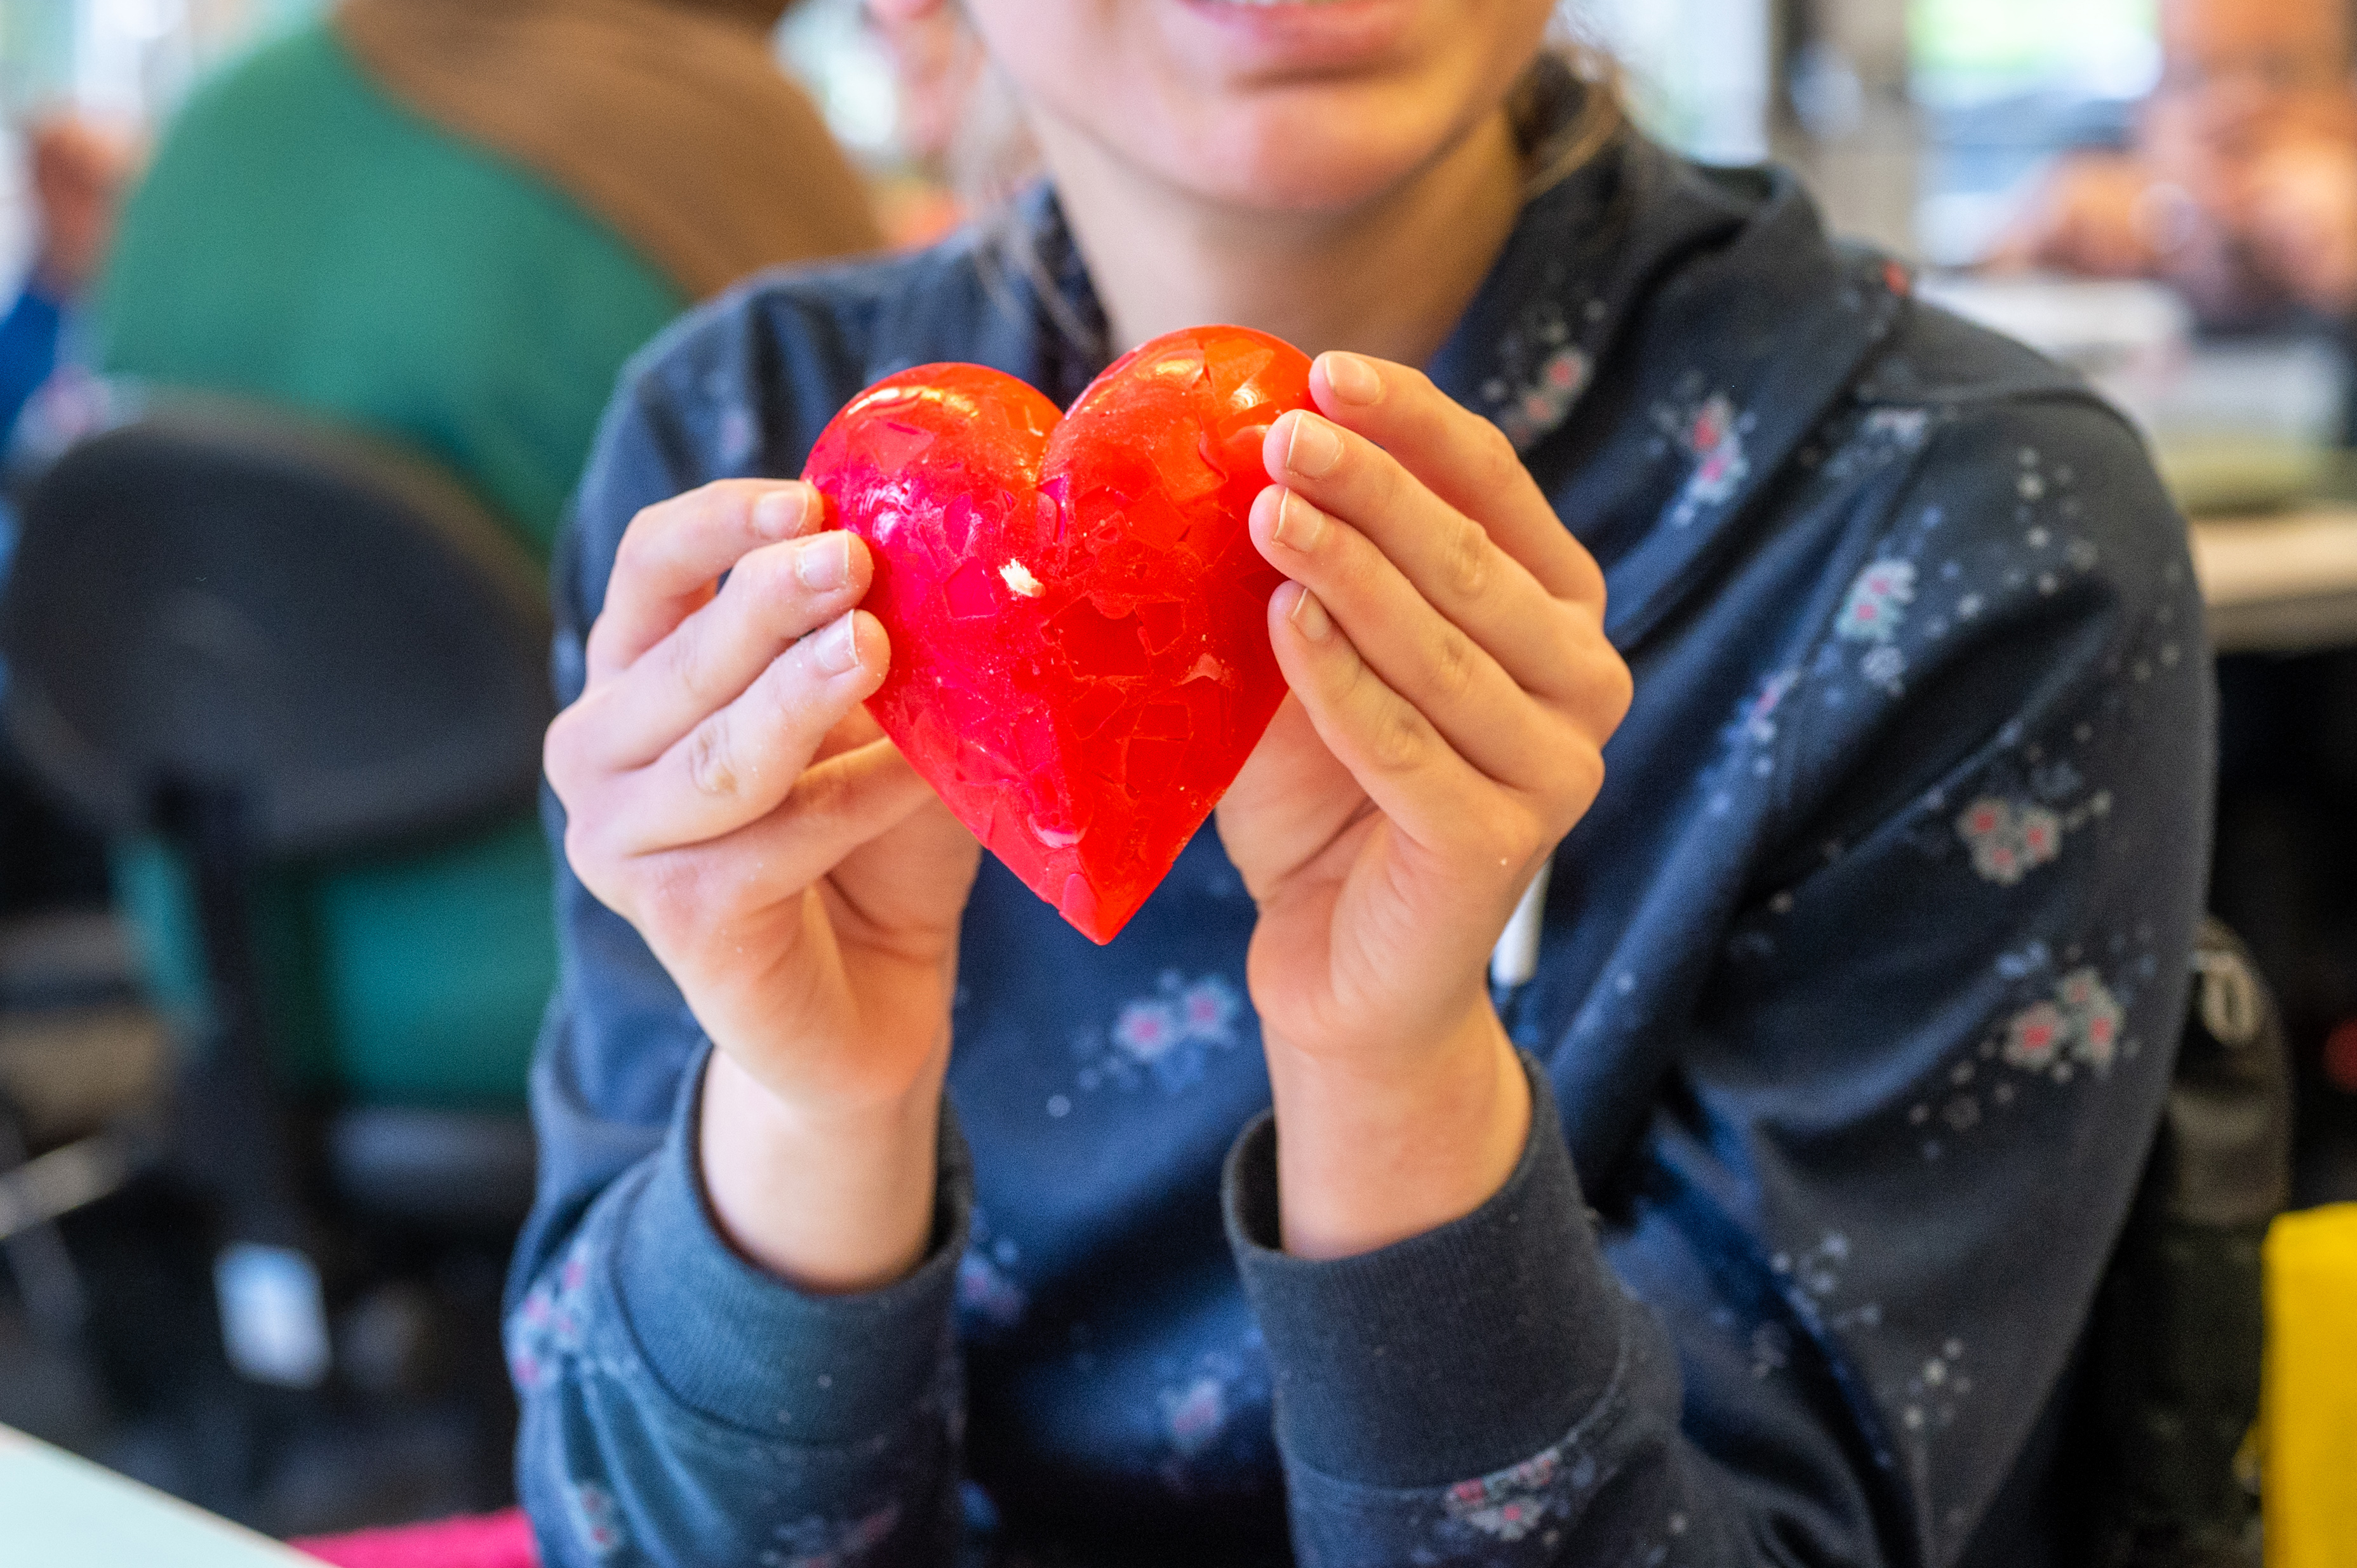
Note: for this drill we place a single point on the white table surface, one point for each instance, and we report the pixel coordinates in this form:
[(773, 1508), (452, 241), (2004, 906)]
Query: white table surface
[(57, 1511), (2285, 582)]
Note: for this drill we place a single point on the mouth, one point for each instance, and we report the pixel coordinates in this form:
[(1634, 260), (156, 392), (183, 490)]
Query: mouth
[(1313, 35)]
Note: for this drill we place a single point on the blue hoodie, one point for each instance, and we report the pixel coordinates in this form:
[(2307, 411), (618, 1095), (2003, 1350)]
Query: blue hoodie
[(1856, 997)]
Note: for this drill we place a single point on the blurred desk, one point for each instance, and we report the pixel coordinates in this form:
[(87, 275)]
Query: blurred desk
[(2285, 582), (57, 1511)]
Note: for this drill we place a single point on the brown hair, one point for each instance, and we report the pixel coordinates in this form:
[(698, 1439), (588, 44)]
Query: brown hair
[(1569, 105)]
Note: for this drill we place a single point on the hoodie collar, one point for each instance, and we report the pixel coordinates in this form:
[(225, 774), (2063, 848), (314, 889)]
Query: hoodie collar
[(1658, 340)]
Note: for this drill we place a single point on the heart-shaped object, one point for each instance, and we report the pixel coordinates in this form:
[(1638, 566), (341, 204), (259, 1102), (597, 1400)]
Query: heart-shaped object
[(1081, 659)]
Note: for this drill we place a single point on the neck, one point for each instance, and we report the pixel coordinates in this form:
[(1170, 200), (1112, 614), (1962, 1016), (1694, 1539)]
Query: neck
[(1388, 278)]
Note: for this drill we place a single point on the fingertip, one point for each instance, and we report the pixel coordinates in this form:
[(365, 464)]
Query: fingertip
[(1340, 381), (1277, 442), (871, 644), (1261, 522), (1295, 607), (1309, 617), (850, 656), (1281, 603), (787, 511), (860, 558)]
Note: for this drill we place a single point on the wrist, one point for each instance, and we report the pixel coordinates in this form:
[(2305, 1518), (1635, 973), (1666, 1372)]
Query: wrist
[(834, 1203), (1371, 1153)]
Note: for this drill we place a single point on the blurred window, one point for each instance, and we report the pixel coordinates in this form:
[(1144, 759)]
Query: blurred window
[(1970, 52), (829, 46), (1699, 71)]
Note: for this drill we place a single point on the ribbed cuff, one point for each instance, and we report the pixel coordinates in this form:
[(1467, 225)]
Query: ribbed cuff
[(739, 1345), (1448, 1354)]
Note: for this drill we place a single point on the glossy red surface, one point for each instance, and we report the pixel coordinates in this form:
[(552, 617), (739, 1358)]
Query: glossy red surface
[(1080, 661)]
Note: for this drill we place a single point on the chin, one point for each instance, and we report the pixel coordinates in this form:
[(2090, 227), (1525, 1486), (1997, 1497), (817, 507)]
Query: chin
[(1263, 108), (1307, 156)]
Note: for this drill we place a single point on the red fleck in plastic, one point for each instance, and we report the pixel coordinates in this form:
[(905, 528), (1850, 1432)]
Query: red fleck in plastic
[(1080, 638)]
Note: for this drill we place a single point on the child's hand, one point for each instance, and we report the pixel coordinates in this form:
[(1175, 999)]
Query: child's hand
[(1452, 691), (726, 794)]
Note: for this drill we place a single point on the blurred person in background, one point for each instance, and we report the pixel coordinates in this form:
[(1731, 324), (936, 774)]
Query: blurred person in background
[(448, 222), (451, 220), (2240, 188), (77, 169), (960, 135)]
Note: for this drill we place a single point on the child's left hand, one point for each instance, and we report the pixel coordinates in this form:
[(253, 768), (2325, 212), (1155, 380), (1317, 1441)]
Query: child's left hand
[(1452, 692)]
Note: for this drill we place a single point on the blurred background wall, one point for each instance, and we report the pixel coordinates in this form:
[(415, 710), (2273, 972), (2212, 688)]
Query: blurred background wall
[(1915, 119)]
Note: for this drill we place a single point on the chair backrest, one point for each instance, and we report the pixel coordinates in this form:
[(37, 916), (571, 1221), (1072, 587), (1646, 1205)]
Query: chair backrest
[(2175, 1344), (229, 597)]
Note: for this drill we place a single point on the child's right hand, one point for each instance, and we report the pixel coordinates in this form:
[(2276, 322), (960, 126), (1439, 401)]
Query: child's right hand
[(727, 794)]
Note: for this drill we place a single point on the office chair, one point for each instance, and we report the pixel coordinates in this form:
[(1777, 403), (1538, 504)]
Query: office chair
[(265, 641)]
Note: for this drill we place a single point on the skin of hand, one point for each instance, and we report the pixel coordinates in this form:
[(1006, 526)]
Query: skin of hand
[(1344, 176), (1339, 175), (1452, 690), (728, 795)]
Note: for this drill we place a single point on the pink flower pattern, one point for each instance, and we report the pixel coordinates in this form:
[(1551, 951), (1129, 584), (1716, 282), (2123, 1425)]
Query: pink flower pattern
[(832, 1543), (2096, 1015), (1544, 401), (2009, 838), (1511, 1504), (1712, 433), (596, 1521), (1166, 1038), (550, 1324), (2036, 1035), (2081, 1024), (1877, 601), (987, 1292), (1757, 720), (1541, 373), (1194, 1415)]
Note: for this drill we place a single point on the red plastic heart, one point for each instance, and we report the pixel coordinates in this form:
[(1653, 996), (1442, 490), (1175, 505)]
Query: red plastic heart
[(1080, 661)]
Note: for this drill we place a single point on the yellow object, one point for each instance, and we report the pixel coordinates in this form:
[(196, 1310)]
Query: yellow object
[(2310, 1408)]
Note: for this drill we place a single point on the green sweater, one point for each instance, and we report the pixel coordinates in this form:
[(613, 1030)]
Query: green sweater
[(304, 240)]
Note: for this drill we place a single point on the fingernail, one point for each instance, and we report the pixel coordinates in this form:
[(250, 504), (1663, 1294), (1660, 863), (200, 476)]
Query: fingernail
[(824, 563), (779, 514), (837, 646), (1300, 525), (1309, 617), (1314, 446), (1353, 378)]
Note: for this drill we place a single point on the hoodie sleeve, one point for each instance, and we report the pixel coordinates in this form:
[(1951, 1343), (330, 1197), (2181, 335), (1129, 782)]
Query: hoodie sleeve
[(679, 1406), (1832, 1309)]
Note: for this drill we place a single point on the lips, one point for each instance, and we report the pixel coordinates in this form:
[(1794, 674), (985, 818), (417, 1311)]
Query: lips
[(1283, 36)]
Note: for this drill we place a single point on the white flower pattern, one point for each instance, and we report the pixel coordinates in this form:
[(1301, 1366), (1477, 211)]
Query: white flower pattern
[(1877, 604)]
